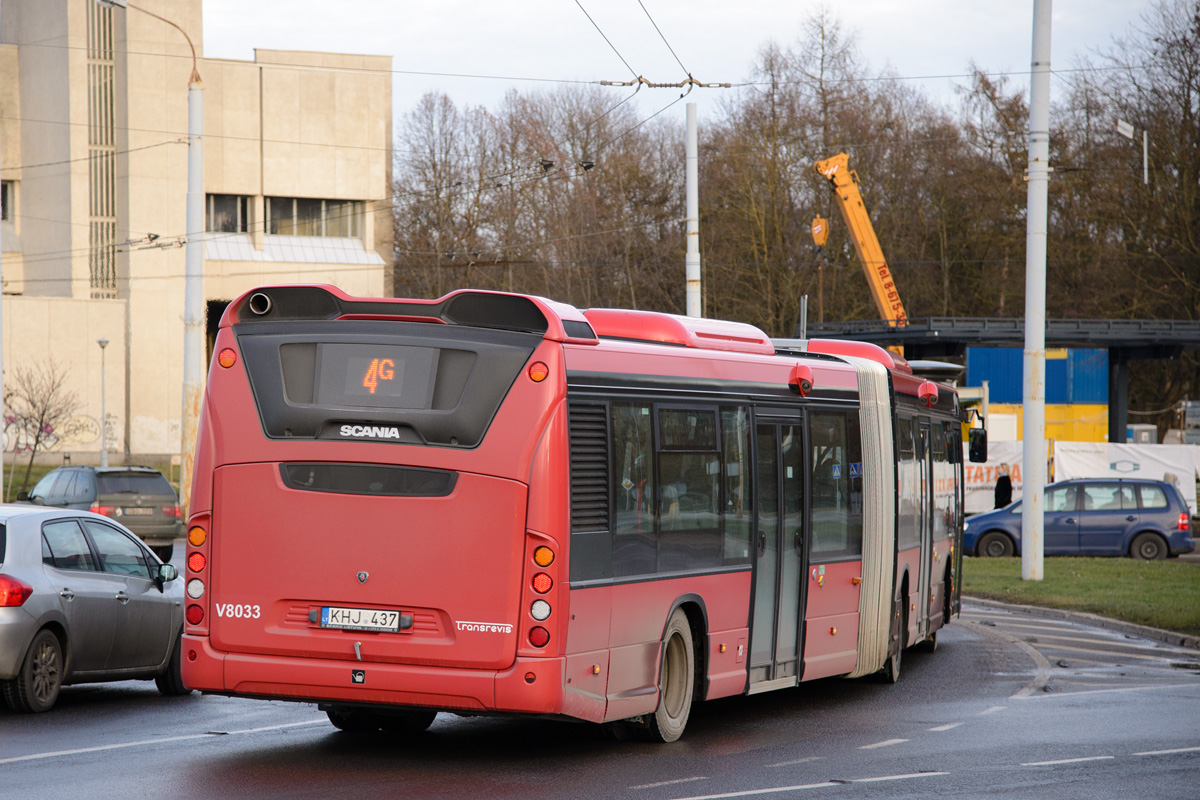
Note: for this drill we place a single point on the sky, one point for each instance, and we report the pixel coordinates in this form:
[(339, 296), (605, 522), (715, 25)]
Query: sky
[(536, 44)]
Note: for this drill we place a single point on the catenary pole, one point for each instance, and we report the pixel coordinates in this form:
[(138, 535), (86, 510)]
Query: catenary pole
[(1034, 410), (694, 308)]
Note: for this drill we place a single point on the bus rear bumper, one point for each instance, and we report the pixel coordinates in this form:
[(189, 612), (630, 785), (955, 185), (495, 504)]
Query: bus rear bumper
[(529, 686)]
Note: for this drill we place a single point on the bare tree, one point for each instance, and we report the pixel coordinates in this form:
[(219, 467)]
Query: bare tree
[(39, 405)]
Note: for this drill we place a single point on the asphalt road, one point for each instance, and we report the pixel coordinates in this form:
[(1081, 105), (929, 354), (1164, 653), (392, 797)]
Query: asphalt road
[(1010, 705)]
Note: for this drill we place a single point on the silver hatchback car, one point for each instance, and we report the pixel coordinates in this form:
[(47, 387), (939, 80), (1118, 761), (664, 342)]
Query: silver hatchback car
[(82, 600)]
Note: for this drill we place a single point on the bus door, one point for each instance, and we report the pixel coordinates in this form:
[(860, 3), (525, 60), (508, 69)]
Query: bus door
[(780, 563), (925, 465)]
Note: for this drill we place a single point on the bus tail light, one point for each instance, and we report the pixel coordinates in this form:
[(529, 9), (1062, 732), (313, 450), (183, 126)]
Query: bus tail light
[(195, 588), (227, 358), (195, 614), (539, 636), (197, 536), (197, 562), (540, 610), (542, 583), (13, 592), (538, 372), (543, 556)]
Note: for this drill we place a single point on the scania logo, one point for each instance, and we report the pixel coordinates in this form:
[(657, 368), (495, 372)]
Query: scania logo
[(362, 576), (369, 432)]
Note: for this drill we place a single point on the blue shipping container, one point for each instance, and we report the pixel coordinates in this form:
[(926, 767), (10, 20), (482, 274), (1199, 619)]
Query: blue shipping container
[(1072, 376)]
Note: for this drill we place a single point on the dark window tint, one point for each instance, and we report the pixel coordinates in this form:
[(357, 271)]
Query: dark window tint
[(371, 479), (908, 485), (132, 483), (68, 549), (79, 490), (43, 487), (687, 429), (3, 542), (119, 553), (1108, 497), (634, 547), (738, 502)]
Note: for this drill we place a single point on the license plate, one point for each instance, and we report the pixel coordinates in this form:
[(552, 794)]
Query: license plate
[(360, 619), (138, 512)]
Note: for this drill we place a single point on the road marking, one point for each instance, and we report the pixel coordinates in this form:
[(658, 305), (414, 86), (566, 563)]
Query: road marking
[(824, 785), (1169, 752), (909, 776), (797, 761), (991, 710), (1067, 761), (885, 743), (1043, 666), (669, 783), (144, 742), (1154, 687), (951, 726), (753, 792)]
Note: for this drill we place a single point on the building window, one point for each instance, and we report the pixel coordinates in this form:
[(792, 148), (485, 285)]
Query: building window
[(302, 216), (227, 213), (6, 201)]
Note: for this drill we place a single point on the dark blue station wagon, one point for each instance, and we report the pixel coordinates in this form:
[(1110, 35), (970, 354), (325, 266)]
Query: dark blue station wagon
[(1093, 517)]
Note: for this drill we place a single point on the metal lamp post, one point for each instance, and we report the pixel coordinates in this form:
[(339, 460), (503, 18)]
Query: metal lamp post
[(103, 407), (193, 287)]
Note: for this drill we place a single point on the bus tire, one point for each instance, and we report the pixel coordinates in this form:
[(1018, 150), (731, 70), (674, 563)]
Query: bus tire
[(676, 681), (352, 720), (891, 667), (407, 722), (995, 545)]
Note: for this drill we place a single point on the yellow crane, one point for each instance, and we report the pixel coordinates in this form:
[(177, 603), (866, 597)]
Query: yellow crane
[(844, 183)]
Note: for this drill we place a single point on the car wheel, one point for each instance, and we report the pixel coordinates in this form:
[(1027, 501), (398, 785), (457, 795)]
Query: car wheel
[(170, 682), (35, 687), (994, 545), (164, 552), (1148, 546)]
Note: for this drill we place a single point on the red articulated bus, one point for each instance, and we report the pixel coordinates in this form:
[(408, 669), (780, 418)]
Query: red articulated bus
[(497, 503)]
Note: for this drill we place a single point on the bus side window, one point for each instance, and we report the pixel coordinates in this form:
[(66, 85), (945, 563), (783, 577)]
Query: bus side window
[(690, 479), (738, 501), (908, 485), (836, 485), (633, 490)]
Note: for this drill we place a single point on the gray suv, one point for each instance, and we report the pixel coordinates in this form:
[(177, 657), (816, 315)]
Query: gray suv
[(140, 498)]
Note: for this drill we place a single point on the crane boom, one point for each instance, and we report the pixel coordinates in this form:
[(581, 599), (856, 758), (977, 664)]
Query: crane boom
[(844, 182)]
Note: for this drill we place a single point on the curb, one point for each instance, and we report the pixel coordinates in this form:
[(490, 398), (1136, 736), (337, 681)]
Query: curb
[(1145, 631)]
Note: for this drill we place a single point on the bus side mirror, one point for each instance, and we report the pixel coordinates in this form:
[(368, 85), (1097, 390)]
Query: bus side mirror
[(977, 451)]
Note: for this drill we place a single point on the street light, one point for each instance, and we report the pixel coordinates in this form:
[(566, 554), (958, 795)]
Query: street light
[(193, 286), (103, 408)]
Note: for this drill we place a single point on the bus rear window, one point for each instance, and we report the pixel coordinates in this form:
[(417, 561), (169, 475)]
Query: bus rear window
[(414, 383), (371, 479)]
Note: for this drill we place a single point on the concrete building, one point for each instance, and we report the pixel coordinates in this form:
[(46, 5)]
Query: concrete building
[(93, 164)]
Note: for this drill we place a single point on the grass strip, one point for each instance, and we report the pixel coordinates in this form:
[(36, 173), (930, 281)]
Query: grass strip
[(1161, 594)]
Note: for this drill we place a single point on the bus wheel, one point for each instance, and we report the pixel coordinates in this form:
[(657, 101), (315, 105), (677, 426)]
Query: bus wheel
[(352, 720), (891, 667), (676, 682), (407, 722)]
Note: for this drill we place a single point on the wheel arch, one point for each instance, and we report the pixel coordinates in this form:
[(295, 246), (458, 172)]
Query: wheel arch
[(696, 611)]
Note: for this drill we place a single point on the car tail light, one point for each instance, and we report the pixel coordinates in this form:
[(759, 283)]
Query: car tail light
[(171, 511), (195, 615), (107, 511), (13, 592), (539, 637), (1184, 521)]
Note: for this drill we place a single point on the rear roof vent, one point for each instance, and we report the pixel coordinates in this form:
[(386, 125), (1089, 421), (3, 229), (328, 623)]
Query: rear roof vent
[(651, 326)]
